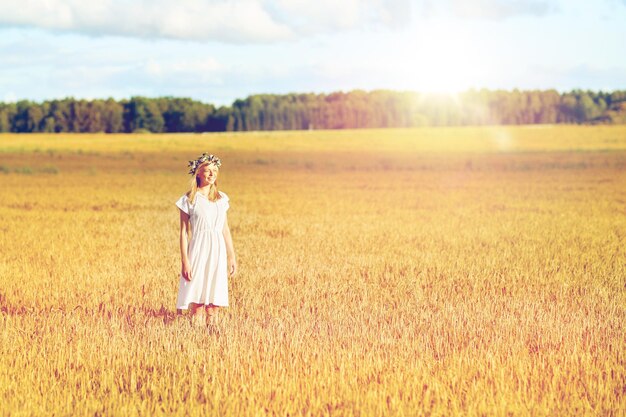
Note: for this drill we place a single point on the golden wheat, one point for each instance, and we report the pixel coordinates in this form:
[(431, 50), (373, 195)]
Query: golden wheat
[(451, 271)]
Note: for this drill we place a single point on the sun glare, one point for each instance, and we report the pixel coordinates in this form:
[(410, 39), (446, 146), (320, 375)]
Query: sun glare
[(441, 59)]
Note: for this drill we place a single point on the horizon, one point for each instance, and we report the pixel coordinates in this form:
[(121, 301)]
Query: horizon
[(217, 52), (448, 95)]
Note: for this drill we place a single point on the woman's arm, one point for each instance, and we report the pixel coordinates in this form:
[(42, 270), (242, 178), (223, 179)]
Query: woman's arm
[(184, 245), (230, 249)]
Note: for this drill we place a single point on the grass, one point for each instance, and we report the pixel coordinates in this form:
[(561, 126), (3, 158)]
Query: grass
[(382, 272)]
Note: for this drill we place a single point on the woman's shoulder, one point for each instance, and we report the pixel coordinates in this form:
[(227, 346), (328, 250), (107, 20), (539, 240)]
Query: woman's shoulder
[(223, 195), (183, 203), (185, 199)]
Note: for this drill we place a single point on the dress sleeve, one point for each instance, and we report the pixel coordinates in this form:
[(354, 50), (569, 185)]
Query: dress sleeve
[(183, 204), (225, 200)]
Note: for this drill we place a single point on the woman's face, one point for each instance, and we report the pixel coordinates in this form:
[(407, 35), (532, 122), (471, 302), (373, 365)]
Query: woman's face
[(207, 175)]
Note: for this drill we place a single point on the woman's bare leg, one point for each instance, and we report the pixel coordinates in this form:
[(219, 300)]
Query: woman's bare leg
[(211, 314), (194, 316)]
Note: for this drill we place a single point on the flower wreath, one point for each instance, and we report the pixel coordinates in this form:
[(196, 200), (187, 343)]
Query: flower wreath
[(205, 157)]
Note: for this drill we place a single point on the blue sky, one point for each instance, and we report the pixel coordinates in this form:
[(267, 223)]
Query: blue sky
[(216, 51)]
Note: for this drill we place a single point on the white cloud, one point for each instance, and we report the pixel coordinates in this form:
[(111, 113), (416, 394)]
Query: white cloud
[(41, 67), (245, 21), (229, 21), (489, 9), (311, 16), (237, 21), (498, 9)]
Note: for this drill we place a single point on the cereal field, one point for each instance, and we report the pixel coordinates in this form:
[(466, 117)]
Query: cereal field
[(434, 271)]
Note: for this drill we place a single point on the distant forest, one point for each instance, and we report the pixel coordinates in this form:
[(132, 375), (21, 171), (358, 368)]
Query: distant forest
[(355, 109)]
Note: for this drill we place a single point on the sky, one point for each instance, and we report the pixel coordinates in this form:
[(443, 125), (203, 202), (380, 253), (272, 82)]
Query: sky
[(217, 51)]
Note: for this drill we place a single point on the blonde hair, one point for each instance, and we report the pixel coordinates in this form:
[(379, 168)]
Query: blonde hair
[(214, 194)]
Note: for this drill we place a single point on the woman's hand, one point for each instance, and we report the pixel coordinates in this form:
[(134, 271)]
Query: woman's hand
[(186, 271), (230, 251), (232, 266)]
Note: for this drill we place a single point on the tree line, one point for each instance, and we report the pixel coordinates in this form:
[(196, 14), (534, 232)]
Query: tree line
[(338, 110)]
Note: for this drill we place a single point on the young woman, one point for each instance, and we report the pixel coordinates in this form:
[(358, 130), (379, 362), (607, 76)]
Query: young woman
[(206, 245)]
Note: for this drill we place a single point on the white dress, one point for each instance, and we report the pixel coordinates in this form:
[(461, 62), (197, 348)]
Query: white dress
[(207, 253)]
